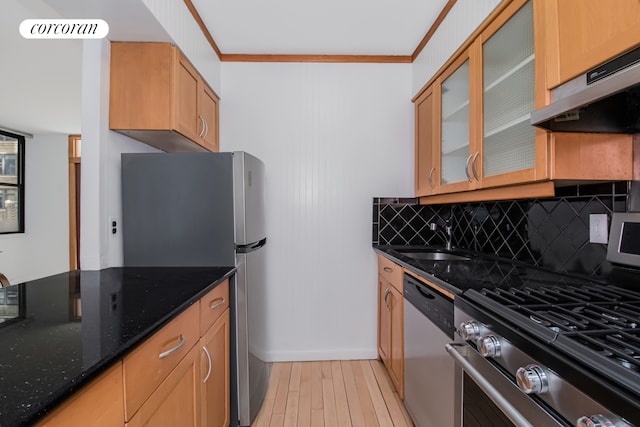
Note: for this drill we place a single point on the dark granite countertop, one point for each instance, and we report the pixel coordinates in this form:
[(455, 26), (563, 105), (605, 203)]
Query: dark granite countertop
[(59, 332), (477, 272)]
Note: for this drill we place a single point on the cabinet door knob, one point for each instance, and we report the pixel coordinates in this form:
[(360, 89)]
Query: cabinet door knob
[(206, 352), (473, 165), (202, 126), (206, 128), (466, 167), (386, 295), (388, 269), (431, 184)]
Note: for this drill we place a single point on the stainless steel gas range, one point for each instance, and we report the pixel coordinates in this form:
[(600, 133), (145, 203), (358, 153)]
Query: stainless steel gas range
[(542, 349)]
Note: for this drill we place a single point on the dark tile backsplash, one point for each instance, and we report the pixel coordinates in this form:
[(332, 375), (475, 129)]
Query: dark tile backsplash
[(551, 233)]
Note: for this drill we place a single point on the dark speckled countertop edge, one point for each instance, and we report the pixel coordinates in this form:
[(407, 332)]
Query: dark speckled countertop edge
[(77, 383), (387, 251)]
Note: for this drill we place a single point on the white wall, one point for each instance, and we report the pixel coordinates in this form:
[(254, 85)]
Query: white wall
[(43, 249), (176, 19), (463, 19), (332, 137), (100, 194)]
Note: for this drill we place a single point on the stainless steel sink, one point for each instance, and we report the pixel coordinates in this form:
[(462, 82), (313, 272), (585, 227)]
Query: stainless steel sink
[(433, 256)]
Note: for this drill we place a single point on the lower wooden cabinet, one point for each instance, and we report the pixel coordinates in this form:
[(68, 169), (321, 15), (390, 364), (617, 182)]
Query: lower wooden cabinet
[(180, 376), (149, 364), (100, 403), (384, 321), (176, 402), (391, 323), (214, 386)]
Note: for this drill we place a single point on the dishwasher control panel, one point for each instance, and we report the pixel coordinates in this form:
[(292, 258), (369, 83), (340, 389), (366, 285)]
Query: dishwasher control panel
[(436, 306)]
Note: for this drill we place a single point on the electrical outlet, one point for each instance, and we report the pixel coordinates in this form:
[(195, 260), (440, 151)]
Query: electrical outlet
[(599, 228), (113, 227)]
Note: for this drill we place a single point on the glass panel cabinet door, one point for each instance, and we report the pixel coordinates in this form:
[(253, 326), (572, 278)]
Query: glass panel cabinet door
[(509, 96), (455, 125)]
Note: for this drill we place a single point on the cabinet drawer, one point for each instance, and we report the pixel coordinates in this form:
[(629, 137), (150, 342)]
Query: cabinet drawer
[(176, 402), (213, 305), (390, 271), (149, 364)]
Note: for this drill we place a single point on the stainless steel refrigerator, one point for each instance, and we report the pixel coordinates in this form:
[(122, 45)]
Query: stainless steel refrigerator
[(206, 209)]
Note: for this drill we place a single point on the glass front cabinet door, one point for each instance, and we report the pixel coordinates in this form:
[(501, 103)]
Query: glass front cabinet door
[(512, 150), (455, 148)]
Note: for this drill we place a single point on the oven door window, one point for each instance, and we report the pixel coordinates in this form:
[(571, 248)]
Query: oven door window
[(479, 410)]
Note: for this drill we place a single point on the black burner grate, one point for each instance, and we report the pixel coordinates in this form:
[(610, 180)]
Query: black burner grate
[(595, 323)]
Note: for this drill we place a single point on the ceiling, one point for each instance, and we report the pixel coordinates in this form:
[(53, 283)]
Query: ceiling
[(41, 80), (328, 27)]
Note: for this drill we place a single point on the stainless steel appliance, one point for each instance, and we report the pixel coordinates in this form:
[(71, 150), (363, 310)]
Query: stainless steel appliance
[(206, 209), (428, 371), (544, 349), (604, 99)]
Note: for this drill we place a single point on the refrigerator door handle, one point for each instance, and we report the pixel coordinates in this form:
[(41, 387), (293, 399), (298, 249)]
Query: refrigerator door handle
[(243, 249)]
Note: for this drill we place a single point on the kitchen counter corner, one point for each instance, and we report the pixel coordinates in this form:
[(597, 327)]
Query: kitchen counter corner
[(61, 331)]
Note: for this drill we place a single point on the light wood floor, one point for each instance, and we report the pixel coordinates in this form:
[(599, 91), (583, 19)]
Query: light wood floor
[(354, 393)]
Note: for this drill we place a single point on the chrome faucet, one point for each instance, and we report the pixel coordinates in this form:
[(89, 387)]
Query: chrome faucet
[(448, 237)]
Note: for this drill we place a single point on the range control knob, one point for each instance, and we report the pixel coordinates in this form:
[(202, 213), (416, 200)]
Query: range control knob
[(469, 330), (594, 421), (489, 346), (532, 379)]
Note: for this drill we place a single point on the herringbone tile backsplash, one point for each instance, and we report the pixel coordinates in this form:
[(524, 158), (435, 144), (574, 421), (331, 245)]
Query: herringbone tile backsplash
[(551, 233)]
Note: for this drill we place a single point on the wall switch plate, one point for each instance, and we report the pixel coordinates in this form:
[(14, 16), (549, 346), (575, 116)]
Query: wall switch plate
[(599, 228)]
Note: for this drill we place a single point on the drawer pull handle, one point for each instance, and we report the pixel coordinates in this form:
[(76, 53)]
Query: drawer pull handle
[(214, 304), (174, 349), (388, 270), (206, 352)]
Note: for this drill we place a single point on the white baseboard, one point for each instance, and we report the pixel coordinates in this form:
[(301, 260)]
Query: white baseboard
[(312, 355)]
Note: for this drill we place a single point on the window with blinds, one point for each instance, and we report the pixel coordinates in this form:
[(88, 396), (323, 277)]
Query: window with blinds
[(11, 183)]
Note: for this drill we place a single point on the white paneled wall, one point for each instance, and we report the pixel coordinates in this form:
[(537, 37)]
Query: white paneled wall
[(332, 137), (462, 20), (183, 29)]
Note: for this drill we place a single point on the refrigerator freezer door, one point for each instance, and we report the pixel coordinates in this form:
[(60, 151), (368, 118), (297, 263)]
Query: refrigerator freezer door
[(177, 209), (248, 187), (253, 372)]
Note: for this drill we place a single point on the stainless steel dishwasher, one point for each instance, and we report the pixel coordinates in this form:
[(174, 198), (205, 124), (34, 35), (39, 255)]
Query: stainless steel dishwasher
[(429, 372)]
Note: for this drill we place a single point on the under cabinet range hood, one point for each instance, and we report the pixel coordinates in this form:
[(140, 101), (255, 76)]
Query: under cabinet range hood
[(606, 99)]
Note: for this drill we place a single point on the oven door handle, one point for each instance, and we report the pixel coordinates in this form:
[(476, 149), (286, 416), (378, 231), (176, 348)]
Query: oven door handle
[(503, 404)]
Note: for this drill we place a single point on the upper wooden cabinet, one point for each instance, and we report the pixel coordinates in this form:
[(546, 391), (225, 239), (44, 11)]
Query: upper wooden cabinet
[(580, 35), (455, 142), (479, 132), (478, 136), (158, 97), (426, 173)]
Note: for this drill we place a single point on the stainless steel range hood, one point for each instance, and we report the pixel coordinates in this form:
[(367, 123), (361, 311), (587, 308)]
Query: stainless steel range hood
[(606, 99)]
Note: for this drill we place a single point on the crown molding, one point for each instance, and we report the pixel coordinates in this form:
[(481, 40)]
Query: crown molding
[(226, 57), (233, 57), (432, 30)]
